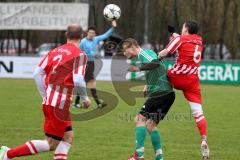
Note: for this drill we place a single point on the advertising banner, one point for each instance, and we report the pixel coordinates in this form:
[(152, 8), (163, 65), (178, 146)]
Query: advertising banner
[(42, 16)]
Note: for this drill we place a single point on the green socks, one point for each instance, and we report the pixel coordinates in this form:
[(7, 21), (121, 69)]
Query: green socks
[(141, 132), (156, 143)]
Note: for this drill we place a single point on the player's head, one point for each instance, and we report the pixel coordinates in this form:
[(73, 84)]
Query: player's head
[(130, 47), (190, 27), (91, 32), (74, 32)]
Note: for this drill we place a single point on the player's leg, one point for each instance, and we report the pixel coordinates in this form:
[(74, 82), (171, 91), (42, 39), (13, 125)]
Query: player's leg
[(155, 138), (201, 123), (61, 152), (198, 114), (77, 101), (141, 131), (91, 84), (140, 122), (190, 86), (191, 91), (160, 106), (194, 99), (60, 130), (29, 148), (33, 146)]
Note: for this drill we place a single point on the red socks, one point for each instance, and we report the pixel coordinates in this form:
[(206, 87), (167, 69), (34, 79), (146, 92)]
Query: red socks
[(201, 124), (29, 148)]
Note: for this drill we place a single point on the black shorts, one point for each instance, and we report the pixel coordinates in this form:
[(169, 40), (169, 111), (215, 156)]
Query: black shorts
[(157, 106), (89, 73)]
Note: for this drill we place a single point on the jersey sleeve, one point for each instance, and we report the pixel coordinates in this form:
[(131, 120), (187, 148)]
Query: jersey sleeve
[(105, 35), (145, 57), (80, 64), (174, 44), (44, 62)]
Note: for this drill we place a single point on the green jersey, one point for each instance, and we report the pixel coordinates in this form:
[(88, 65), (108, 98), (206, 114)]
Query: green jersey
[(156, 79)]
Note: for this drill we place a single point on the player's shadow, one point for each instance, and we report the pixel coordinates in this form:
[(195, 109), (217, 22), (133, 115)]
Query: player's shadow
[(111, 101)]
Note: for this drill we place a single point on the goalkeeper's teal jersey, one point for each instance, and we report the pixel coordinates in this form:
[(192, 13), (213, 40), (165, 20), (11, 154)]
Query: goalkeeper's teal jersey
[(156, 79)]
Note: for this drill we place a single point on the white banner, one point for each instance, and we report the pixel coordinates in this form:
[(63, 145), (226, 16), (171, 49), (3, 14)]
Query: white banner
[(23, 67), (105, 70), (42, 16), (18, 67)]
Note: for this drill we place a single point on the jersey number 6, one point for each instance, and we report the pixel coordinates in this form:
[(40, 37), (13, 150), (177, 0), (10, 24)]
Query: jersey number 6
[(197, 55)]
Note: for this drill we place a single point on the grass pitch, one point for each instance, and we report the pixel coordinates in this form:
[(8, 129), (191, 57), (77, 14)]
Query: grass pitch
[(112, 136)]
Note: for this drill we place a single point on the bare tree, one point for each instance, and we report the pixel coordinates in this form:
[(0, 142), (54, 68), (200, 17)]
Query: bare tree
[(223, 25), (235, 18), (176, 18)]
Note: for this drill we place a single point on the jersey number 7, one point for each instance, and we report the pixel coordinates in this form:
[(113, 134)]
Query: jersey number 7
[(56, 59)]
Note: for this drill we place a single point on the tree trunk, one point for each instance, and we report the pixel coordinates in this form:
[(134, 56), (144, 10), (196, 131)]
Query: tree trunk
[(146, 10), (176, 19), (196, 9), (92, 20), (235, 30), (163, 26), (223, 26)]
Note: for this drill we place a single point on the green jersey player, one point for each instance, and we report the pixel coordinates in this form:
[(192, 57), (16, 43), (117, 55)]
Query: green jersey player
[(160, 97)]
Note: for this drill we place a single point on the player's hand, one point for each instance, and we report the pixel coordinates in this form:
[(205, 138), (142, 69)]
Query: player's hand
[(133, 69), (163, 53), (159, 55), (174, 35), (114, 23), (44, 99)]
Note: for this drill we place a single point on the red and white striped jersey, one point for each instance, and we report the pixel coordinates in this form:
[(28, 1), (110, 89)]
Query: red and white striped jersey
[(189, 49), (60, 65)]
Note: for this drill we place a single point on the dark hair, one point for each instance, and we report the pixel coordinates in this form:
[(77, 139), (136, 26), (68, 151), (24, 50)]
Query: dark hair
[(192, 27), (74, 31), (92, 28), (129, 42)]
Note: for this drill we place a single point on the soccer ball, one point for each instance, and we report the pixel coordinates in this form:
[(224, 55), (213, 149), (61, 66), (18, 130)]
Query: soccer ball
[(112, 12)]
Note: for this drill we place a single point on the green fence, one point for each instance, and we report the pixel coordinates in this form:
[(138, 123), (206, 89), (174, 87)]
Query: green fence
[(211, 72)]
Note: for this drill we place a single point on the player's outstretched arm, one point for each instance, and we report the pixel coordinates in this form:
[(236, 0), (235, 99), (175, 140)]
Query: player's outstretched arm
[(107, 34), (38, 75)]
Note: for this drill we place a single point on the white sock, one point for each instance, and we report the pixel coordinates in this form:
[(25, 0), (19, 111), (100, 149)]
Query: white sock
[(5, 157), (41, 145), (62, 151)]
